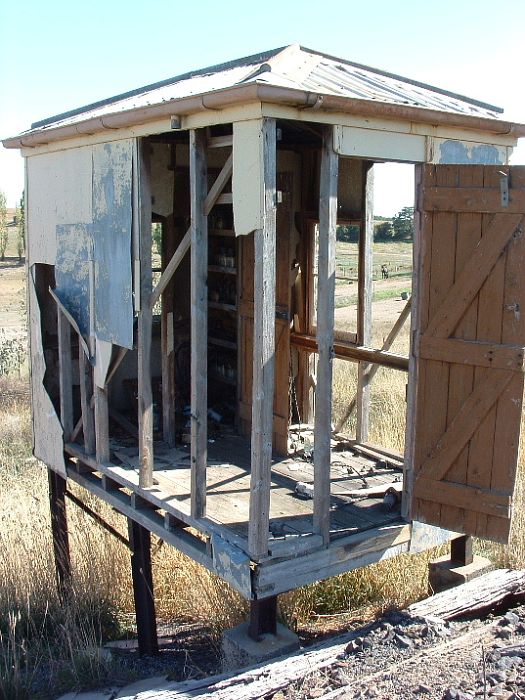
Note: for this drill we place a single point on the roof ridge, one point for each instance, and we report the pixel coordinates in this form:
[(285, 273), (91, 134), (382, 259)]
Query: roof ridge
[(417, 83)]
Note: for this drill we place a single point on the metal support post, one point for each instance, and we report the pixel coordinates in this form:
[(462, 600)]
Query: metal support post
[(140, 545), (57, 504), (461, 550), (263, 617)]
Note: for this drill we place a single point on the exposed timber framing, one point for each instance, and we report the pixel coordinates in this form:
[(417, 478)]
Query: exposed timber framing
[(145, 399), (66, 374), (398, 325), (86, 394), (353, 353), (57, 504), (364, 306), (325, 335), (167, 339), (263, 350), (212, 198), (199, 322), (100, 396)]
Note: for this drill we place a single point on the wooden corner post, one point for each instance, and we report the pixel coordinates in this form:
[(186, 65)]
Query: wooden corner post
[(325, 334), (199, 321), (263, 349), (364, 307), (142, 218)]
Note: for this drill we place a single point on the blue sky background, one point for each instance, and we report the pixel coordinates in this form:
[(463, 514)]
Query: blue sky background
[(58, 55)]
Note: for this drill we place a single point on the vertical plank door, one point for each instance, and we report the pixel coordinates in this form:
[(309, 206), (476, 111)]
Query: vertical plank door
[(469, 347)]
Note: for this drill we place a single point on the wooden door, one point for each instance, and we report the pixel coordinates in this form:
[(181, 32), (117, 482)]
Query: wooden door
[(468, 347)]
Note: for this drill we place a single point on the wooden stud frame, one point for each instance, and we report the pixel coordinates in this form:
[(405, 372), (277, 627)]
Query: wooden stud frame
[(263, 351), (145, 398), (364, 307), (199, 321), (325, 335)]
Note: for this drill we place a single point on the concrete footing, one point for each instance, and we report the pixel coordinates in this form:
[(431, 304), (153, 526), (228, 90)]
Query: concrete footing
[(444, 573), (238, 649)]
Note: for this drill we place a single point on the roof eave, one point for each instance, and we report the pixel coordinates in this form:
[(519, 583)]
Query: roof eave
[(250, 92)]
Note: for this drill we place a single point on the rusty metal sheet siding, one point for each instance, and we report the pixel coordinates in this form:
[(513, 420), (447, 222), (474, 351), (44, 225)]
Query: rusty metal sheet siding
[(112, 203)]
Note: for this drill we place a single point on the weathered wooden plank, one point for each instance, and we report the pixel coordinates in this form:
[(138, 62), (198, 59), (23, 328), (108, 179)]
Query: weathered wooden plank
[(475, 272), (431, 412), (171, 267), (473, 199), (101, 424), (167, 339), (479, 594), (263, 350), (479, 500), (66, 374), (509, 408), (394, 332), (145, 397), (472, 352), (364, 303), (461, 378), (86, 392), (346, 351), (465, 423), (482, 459), (199, 322), (325, 334)]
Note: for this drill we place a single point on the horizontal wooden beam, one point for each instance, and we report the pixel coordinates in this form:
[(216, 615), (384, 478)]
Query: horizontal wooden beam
[(472, 199), (464, 496), (472, 352), (354, 353)]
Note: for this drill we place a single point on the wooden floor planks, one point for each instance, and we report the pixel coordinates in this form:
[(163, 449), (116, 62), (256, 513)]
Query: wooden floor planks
[(228, 487)]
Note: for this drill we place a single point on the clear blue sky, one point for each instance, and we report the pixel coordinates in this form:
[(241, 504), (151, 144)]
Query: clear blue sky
[(58, 55)]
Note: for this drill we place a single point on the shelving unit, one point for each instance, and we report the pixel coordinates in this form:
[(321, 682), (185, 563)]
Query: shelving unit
[(222, 314)]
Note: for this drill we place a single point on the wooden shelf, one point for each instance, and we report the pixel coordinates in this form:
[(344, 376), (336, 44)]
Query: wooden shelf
[(224, 270), (221, 307), (221, 378), (221, 343)]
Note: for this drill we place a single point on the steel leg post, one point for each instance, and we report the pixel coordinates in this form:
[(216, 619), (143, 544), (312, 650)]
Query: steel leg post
[(140, 545), (57, 504), (263, 617)]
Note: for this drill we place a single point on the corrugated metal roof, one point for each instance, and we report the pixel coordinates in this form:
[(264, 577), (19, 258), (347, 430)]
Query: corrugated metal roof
[(292, 67)]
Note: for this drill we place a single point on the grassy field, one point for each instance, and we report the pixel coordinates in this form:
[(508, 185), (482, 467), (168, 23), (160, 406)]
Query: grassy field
[(51, 645)]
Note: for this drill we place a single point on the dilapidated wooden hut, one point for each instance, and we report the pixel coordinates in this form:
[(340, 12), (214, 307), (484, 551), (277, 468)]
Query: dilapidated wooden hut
[(192, 390)]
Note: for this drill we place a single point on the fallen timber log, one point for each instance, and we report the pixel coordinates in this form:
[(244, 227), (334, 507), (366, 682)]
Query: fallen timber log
[(475, 596), (264, 680)]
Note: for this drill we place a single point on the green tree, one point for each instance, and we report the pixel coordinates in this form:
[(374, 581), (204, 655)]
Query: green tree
[(348, 234), (384, 231), (403, 224), (21, 221), (3, 226)]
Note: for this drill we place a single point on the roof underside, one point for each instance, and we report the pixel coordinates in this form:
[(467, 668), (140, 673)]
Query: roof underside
[(294, 68)]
